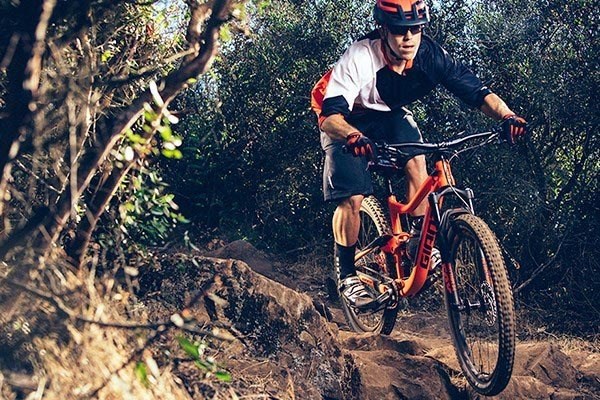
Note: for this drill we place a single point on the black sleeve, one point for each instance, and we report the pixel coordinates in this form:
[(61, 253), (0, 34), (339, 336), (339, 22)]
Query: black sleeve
[(459, 79), (335, 105)]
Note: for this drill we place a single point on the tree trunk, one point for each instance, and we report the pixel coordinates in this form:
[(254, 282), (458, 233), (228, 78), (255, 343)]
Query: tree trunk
[(23, 77), (96, 205), (47, 232)]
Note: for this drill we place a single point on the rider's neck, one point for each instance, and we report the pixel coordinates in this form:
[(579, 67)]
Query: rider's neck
[(399, 66)]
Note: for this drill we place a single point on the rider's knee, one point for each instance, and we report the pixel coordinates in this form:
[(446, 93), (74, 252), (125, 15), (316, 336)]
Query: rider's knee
[(351, 204)]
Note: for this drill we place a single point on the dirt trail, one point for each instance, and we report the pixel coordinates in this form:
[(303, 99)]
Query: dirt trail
[(418, 360)]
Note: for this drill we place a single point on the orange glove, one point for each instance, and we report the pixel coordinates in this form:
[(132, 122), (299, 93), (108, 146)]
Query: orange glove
[(513, 128), (360, 145)]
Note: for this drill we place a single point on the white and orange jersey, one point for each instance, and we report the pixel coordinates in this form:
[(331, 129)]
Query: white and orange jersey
[(361, 79)]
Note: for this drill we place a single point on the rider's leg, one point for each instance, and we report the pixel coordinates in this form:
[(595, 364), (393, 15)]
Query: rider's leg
[(416, 174), (346, 223)]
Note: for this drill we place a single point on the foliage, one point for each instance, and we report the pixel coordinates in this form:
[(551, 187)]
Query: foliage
[(149, 214), (206, 364), (251, 148), (252, 154)]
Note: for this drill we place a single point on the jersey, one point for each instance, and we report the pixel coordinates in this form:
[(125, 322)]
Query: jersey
[(362, 80)]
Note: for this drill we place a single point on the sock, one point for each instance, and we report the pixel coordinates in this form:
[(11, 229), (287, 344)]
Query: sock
[(344, 260)]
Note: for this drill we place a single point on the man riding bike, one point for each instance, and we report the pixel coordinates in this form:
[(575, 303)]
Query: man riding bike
[(362, 99)]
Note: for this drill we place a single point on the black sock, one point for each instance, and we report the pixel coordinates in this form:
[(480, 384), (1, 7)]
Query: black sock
[(344, 260)]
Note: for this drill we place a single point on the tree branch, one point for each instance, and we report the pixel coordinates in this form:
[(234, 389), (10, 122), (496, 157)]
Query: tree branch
[(168, 89), (540, 268), (175, 321), (23, 73)]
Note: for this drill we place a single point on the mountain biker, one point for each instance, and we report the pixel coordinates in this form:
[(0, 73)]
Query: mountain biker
[(362, 98)]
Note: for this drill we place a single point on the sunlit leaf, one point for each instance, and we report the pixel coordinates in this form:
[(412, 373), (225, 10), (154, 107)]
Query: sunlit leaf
[(188, 347)]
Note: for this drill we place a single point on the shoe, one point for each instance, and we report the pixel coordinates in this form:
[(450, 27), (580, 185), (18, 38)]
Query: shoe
[(412, 246), (435, 269), (355, 293), (436, 261)]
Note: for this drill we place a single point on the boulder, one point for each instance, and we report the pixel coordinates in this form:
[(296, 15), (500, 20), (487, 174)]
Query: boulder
[(285, 349), (282, 339)]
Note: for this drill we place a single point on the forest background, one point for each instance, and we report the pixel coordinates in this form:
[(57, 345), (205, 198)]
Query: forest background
[(125, 132)]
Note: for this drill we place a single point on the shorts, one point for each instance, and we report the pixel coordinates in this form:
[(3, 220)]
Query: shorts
[(345, 175)]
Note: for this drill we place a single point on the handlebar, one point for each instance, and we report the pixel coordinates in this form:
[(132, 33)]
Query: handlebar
[(390, 157), (441, 147)]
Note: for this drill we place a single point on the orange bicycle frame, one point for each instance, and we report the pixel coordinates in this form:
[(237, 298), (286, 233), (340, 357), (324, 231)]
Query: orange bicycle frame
[(441, 177)]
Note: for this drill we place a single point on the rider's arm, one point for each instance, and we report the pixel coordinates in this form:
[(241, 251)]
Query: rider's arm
[(336, 127), (494, 107)]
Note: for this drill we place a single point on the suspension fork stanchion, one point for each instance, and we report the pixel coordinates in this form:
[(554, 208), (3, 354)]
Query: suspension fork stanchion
[(470, 197), (444, 169)]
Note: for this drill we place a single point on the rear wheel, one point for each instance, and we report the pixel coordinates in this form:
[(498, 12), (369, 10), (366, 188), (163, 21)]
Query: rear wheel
[(480, 305), (373, 224)]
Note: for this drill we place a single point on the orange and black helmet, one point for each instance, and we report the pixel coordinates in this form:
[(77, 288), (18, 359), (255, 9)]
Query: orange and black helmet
[(401, 12)]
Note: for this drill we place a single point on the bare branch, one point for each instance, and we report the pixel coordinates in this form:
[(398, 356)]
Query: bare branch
[(176, 321), (540, 268), (168, 88), (24, 70)]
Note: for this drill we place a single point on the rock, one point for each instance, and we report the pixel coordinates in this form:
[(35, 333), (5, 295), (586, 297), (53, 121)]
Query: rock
[(287, 349), (546, 363), (283, 338), (244, 251)]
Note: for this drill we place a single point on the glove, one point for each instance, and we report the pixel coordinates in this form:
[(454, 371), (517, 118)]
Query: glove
[(360, 145), (513, 127)]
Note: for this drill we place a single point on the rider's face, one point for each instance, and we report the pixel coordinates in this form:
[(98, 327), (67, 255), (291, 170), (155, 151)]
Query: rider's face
[(405, 45)]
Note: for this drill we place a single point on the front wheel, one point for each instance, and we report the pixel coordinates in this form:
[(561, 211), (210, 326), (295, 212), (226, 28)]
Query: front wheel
[(373, 224), (480, 305)]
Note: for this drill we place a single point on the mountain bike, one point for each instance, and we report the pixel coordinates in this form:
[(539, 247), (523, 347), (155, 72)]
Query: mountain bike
[(477, 291)]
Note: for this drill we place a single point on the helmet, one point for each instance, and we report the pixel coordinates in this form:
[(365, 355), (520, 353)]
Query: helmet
[(401, 12)]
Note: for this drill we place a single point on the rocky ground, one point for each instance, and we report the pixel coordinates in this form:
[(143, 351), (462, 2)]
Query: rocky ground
[(295, 343), (274, 333)]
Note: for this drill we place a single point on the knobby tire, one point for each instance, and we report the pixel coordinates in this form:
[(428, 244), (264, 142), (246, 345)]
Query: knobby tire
[(484, 332), (373, 224)]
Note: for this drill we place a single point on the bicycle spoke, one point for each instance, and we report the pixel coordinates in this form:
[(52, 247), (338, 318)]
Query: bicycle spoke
[(373, 225), (478, 319)]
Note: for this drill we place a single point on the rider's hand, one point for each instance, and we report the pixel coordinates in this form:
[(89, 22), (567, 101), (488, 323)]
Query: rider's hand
[(513, 128), (360, 145)]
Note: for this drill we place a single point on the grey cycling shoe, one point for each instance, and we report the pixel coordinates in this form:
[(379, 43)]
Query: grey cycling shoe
[(355, 293)]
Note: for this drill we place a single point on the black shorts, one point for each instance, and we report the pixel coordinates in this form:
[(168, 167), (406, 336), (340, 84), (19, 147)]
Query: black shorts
[(345, 175)]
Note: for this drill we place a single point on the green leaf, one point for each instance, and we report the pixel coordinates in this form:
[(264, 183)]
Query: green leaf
[(135, 137), (223, 376), (188, 347), (141, 372), (176, 154), (203, 365), (149, 116), (107, 55), (165, 132)]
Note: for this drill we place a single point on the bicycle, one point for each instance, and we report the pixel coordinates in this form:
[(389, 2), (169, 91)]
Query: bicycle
[(477, 290)]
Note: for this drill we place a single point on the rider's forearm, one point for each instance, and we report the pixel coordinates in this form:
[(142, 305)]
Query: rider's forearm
[(336, 127), (494, 107)]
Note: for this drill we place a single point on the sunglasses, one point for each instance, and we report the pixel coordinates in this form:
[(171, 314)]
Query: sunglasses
[(403, 30)]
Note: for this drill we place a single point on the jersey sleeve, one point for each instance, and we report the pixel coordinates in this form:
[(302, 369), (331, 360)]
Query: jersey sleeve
[(459, 79), (345, 82)]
